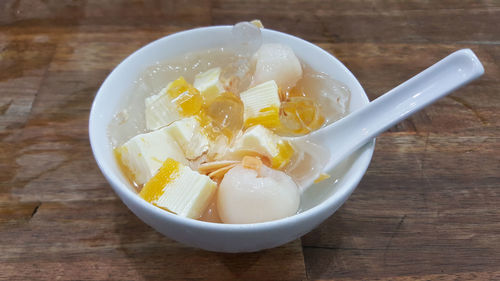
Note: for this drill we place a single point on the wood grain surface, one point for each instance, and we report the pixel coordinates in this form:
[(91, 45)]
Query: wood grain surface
[(427, 209)]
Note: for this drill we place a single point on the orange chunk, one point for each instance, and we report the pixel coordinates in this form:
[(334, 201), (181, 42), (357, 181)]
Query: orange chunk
[(285, 153), (268, 117), (187, 97), (251, 162), (322, 177), (126, 171), (154, 188)]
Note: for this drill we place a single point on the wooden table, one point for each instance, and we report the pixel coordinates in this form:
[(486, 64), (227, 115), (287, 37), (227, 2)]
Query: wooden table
[(428, 207)]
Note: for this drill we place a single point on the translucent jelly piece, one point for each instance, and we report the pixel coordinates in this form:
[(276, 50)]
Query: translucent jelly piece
[(226, 112), (296, 91), (246, 38), (307, 163), (331, 96), (300, 115), (237, 75)]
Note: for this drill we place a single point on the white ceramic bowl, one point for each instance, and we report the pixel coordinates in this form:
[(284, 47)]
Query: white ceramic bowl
[(317, 203)]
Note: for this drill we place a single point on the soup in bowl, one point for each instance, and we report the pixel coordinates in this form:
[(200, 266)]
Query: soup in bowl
[(119, 122)]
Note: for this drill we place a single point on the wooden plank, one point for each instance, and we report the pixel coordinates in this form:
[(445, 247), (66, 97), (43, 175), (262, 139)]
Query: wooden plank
[(23, 62), (52, 150), (51, 153), (104, 240), (369, 20), (428, 204), (141, 14), (426, 209), (494, 275)]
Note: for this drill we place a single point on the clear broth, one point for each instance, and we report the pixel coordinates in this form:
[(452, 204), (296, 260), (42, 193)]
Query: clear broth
[(130, 120)]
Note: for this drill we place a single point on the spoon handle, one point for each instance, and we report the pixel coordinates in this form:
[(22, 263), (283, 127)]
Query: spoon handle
[(348, 134)]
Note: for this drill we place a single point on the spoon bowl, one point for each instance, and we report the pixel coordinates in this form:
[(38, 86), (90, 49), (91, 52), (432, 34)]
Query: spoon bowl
[(343, 137)]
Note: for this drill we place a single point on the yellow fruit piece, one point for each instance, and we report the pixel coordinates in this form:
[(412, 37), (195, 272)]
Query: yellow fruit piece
[(187, 97), (154, 188), (285, 153), (322, 177), (124, 168), (267, 117), (257, 23), (178, 99), (261, 105)]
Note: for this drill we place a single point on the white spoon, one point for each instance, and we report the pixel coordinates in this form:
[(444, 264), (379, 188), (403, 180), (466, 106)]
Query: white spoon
[(359, 127)]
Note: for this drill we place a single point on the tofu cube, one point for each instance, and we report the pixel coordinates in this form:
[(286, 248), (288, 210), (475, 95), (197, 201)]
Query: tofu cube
[(144, 154), (178, 100), (189, 135), (261, 105), (266, 143), (160, 110), (208, 83), (180, 190)]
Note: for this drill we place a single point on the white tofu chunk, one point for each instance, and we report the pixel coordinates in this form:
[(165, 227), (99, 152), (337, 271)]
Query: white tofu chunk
[(266, 143), (144, 154), (188, 134), (160, 111), (258, 139), (179, 190), (208, 83), (261, 105), (277, 62)]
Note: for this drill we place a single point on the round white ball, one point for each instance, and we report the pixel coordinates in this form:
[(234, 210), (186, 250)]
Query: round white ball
[(246, 196)]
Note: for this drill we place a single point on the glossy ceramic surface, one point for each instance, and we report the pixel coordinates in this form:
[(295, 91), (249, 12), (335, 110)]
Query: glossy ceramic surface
[(223, 237)]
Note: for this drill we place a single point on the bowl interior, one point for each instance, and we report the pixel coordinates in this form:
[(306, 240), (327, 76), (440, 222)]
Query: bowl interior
[(331, 192)]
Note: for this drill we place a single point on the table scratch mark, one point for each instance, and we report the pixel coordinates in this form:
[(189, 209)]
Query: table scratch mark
[(35, 210), (394, 233), (469, 107), (5, 107)]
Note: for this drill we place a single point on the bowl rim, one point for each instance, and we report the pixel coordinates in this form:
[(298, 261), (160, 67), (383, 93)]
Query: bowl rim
[(340, 195)]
